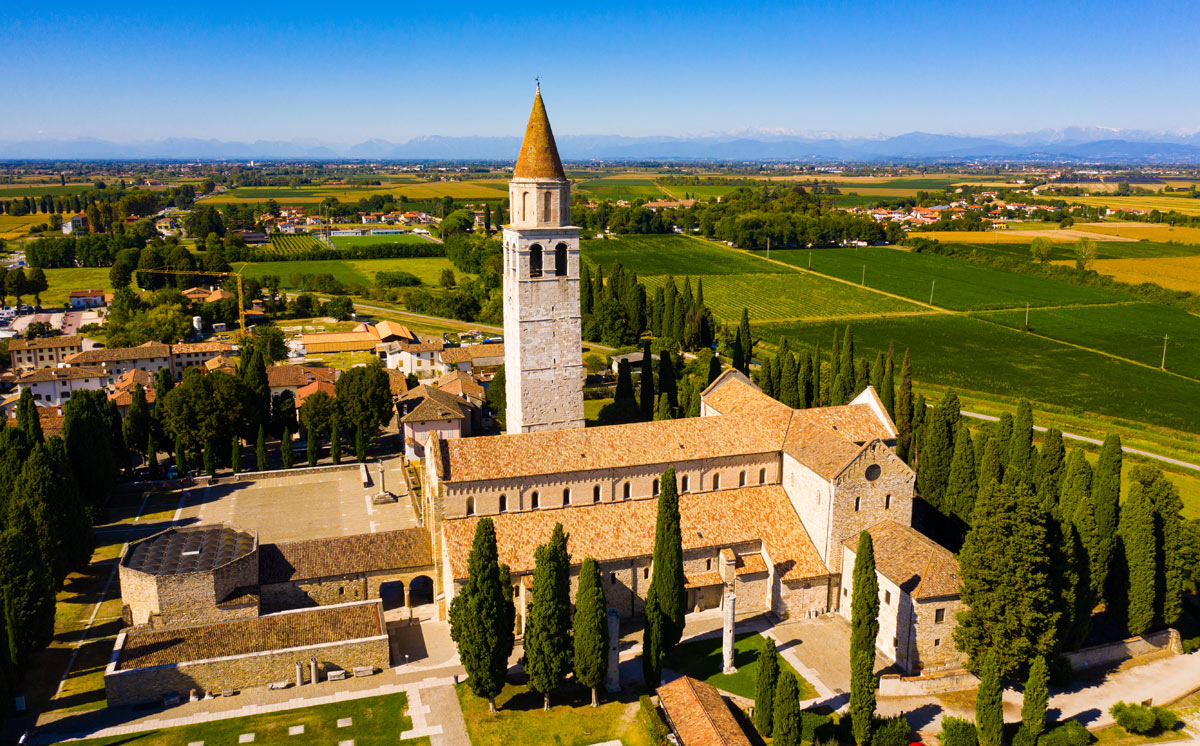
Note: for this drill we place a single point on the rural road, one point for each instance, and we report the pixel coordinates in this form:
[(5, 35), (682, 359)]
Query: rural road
[(1094, 441)]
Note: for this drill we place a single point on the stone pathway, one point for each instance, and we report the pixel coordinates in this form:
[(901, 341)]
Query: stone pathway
[(440, 701)]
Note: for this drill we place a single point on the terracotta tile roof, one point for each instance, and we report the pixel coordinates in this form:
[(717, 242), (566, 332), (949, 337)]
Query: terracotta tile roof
[(461, 383), (116, 354), (343, 555), (623, 529), (816, 446), (309, 389), (910, 559), (220, 362), (272, 632), (733, 393), (470, 353), (200, 347), (703, 580), (45, 343), (397, 382), (363, 337), (297, 375), (132, 377), (538, 158), (43, 375), (699, 714), (748, 564), (86, 294), (855, 422), (433, 404), (389, 329), (51, 419)]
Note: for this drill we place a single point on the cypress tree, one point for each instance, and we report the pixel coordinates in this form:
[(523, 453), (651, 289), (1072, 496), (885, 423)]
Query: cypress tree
[(1019, 460), (646, 398), (180, 458), (1084, 520), (847, 368), (652, 640), (667, 592), (1106, 493), (235, 455), (804, 382), (877, 372), (789, 382), (887, 393), (585, 290), (714, 368), (28, 590), (904, 411), (963, 485), (360, 444), (835, 365), (1075, 580), (786, 715), (933, 467), (864, 628), (1050, 465), (311, 447), (1004, 432), (764, 687), (747, 340), (1170, 561), (482, 617), (820, 391), (1076, 484), (260, 449), (624, 393), (285, 448), (1035, 699), (46, 492), (210, 462), (27, 417), (666, 378), (663, 410), (335, 441), (862, 378), (591, 629), (548, 628), (989, 704), (738, 360), (137, 424), (1007, 581), (152, 455)]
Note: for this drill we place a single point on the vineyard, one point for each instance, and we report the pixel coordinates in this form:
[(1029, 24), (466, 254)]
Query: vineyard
[(290, 244)]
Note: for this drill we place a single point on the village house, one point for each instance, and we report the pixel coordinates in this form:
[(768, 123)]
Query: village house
[(425, 410), (86, 298), (74, 224), (54, 386), (292, 378), (43, 352)]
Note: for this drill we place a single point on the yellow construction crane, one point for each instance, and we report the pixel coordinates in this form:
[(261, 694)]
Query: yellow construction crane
[(241, 302)]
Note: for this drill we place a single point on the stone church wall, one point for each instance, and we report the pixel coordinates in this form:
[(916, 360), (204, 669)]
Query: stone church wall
[(860, 502)]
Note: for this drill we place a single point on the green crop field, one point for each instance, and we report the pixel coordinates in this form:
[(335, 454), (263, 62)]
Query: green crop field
[(697, 191), (1065, 251), (956, 284), (1134, 331), (360, 271), (395, 238), (670, 254), (974, 355), (11, 191), (621, 188), (286, 244), (788, 295)]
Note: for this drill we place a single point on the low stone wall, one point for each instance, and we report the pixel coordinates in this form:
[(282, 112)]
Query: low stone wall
[(144, 685), (252, 476), (894, 685), (1123, 650)]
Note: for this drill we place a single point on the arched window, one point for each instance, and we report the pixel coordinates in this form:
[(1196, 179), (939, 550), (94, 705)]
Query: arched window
[(470, 506), (560, 260), (742, 479), (546, 202), (503, 503), (683, 484), (627, 490), (567, 496), (762, 476), (654, 487), (524, 204), (887, 502), (535, 261), (533, 500), (857, 504), (596, 494), (716, 481)]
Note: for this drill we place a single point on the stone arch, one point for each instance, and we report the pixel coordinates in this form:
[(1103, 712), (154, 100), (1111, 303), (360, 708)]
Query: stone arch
[(470, 506), (560, 260), (503, 502), (596, 494), (654, 488), (535, 260), (628, 490), (566, 496), (533, 500), (420, 591)]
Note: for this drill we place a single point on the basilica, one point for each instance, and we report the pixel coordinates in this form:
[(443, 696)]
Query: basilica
[(772, 500)]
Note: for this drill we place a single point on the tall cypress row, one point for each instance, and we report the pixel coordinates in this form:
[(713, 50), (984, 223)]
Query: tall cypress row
[(804, 381), (963, 483), (1076, 483), (904, 411), (887, 392), (864, 628), (789, 382), (646, 398), (747, 340), (1019, 460), (482, 617), (548, 628), (1106, 493), (1050, 465), (989, 704), (590, 639), (1035, 699), (260, 449), (937, 451), (666, 599), (786, 711), (1130, 590)]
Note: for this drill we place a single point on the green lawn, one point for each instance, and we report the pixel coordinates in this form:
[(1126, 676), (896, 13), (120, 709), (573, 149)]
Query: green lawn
[(63, 281), (1132, 331), (956, 284), (361, 271), (702, 660), (670, 254), (973, 355), (786, 296), (377, 721), (569, 722)]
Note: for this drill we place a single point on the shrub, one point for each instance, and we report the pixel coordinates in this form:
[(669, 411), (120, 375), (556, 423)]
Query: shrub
[(1068, 733), (958, 732), (1143, 720), (1023, 737), (396, 280), (893, 731), (654, 722), (815, 727), (1167, 719)]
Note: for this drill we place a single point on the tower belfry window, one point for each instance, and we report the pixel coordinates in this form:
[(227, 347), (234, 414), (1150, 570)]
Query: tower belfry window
[(560, 260), (546, 197), (535, 261)]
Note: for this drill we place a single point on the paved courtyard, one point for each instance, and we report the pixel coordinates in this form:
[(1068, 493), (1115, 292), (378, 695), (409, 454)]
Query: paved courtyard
[(302, 506)]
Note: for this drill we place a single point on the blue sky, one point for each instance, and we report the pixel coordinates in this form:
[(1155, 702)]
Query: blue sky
[(354, 71)]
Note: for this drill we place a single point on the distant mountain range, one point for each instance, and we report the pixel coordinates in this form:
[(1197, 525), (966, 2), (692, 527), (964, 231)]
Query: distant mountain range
[(1071, 145)]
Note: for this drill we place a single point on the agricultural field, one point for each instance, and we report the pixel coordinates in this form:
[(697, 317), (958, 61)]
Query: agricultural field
[(1163, 203), (396, 238), (955, 284), (1066, 251), (670, 254), (1133, 331), (970, 354), (1144, 231), (63, 281), (482, 190), (15, 226), (285, 244), (788, 296), (697, 191), (359, 271), (616, 189), (990, 237), (1177, 273), (11, 191)]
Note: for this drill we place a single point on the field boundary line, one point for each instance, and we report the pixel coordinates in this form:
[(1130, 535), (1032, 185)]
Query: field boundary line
[(848, 317), (1062, 307), (802, 270)]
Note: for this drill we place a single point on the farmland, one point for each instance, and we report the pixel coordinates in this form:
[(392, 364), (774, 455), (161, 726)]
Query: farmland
[(1145, 202), (788, 296), (415, 190), (11, 191), (63, 281), (973, 355), (670, 254), (697, 191), (1145, 231), (357, 271), (1134, 331), (1066, 251), (395, 238), (15, 226), (621, 189), (958, 285), (1177, 273), (286, 244)]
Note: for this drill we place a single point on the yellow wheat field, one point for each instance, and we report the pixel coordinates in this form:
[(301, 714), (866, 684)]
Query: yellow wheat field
[(1144, 231), (1177, 273), (1149, 202)]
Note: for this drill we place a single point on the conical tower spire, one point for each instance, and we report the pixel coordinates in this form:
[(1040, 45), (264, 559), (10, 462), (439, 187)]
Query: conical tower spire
[(539, 155)]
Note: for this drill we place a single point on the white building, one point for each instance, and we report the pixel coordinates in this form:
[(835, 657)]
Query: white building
[(53, 386)]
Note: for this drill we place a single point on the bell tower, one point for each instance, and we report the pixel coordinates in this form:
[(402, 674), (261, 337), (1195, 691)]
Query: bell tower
[(543, 360)]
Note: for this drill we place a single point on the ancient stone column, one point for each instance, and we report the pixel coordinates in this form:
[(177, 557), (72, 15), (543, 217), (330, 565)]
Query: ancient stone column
[(299, 673), (312, 670), (382, 483), (612, 681), (727, 637)]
